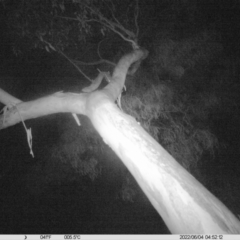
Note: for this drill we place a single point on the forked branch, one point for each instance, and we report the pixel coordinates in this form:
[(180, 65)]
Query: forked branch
[(114, 25)]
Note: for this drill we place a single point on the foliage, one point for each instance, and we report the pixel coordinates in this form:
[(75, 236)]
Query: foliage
[(175, 57), (66, 25), (34, 22), (79, 147), (177, 121), (128, 190)]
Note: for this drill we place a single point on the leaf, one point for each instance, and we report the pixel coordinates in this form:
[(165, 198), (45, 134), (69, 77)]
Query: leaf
[(53, 48), (47, 49), (61, 5), (102, 31)]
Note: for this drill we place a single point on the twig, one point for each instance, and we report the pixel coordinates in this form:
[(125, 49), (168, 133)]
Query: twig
[(95, 63), (59, 51), (136, 13), (114, 26), (72, 61)]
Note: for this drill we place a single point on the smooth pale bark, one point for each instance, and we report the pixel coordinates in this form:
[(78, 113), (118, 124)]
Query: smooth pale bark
[(56, 103), (17, 111), (185, 205)]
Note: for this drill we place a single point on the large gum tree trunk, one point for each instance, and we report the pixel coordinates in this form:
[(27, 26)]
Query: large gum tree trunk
[(185, 205)]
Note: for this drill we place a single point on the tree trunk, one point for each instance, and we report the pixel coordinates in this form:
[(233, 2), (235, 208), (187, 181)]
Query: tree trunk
[(185, 205)]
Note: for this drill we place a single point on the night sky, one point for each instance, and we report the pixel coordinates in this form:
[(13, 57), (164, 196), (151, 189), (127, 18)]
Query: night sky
[(44, 194)]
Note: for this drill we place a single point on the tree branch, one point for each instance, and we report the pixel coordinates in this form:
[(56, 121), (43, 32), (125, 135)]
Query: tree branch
[(114, 26), (136, 13), (63, 54), (114, 88), (75, 65), (8, 99), (55, 103), (67, 102), (95, 63), (96, 82)]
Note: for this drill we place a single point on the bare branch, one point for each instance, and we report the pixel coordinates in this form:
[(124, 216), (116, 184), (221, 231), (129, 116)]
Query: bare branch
[(112, 12), (107, 61), (95, 63), (119, 74), (68, 18), (8, 99), (55, 103), (101, 61), (114, 26), (97, 81), (136, 14), (73, 62), (63, 54)]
